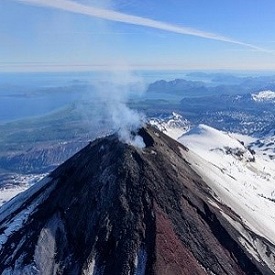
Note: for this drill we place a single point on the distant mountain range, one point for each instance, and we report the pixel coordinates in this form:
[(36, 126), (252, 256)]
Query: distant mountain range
[(226, 102), (214, 85)]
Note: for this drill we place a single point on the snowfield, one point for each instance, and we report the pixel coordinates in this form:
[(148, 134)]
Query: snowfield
[(16, 203), (241, 179), (265, 146), (173, 126), (15, 184), (244, 181), (264, 96)]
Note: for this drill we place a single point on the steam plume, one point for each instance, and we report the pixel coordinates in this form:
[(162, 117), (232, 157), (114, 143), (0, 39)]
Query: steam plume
[(107, 14), (110, 110)]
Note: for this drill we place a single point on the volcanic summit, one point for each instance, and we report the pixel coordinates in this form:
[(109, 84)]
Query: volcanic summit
[(115, 209)]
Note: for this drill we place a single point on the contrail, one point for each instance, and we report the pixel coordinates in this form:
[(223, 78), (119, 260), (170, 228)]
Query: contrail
[(71, 6)]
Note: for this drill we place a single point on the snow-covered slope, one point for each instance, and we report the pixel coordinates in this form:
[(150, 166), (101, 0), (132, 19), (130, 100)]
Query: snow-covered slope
[(240, 179), (265, 146), (173, 125), (264, 96), (13, 184)]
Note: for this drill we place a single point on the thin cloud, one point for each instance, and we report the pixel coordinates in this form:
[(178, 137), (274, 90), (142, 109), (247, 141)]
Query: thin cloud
[(75, 7)]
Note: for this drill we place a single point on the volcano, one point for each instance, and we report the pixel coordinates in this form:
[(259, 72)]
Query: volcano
[(116, 209)]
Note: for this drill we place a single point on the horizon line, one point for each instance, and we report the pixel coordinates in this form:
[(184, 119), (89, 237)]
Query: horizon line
[(29, 67)]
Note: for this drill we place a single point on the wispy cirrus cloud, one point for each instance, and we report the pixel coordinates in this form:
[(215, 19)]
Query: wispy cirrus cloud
[(74, 7)]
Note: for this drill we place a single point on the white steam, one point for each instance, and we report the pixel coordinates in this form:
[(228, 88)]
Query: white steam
[(105, 109), (113, 94)]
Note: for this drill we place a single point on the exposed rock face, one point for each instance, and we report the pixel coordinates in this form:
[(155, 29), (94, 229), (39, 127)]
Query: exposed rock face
[(115, 209)]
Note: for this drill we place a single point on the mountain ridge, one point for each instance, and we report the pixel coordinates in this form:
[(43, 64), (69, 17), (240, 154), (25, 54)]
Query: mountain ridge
[(116, 209)]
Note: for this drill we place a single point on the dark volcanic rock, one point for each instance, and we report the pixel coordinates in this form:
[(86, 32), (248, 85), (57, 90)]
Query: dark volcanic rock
[(115, 209)]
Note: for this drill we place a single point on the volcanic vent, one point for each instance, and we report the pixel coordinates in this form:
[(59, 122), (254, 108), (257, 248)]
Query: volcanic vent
[(115, 209)]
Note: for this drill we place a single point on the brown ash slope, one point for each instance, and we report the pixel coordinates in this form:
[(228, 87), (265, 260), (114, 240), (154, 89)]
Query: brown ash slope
[(116, 209)]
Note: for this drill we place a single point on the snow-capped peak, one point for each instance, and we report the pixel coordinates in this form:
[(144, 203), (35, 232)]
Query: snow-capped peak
[(174, 125), (261, 96)]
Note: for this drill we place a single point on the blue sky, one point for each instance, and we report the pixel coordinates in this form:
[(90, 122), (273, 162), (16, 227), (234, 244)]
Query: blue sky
[(52, 36)]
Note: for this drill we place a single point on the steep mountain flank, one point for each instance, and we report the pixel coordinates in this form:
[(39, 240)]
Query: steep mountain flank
[(116, 209)]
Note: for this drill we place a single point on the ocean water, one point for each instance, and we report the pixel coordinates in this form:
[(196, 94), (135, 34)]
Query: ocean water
[(25, 95)]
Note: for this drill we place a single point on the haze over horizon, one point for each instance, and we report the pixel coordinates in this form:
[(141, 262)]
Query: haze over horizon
[(63, 35)]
